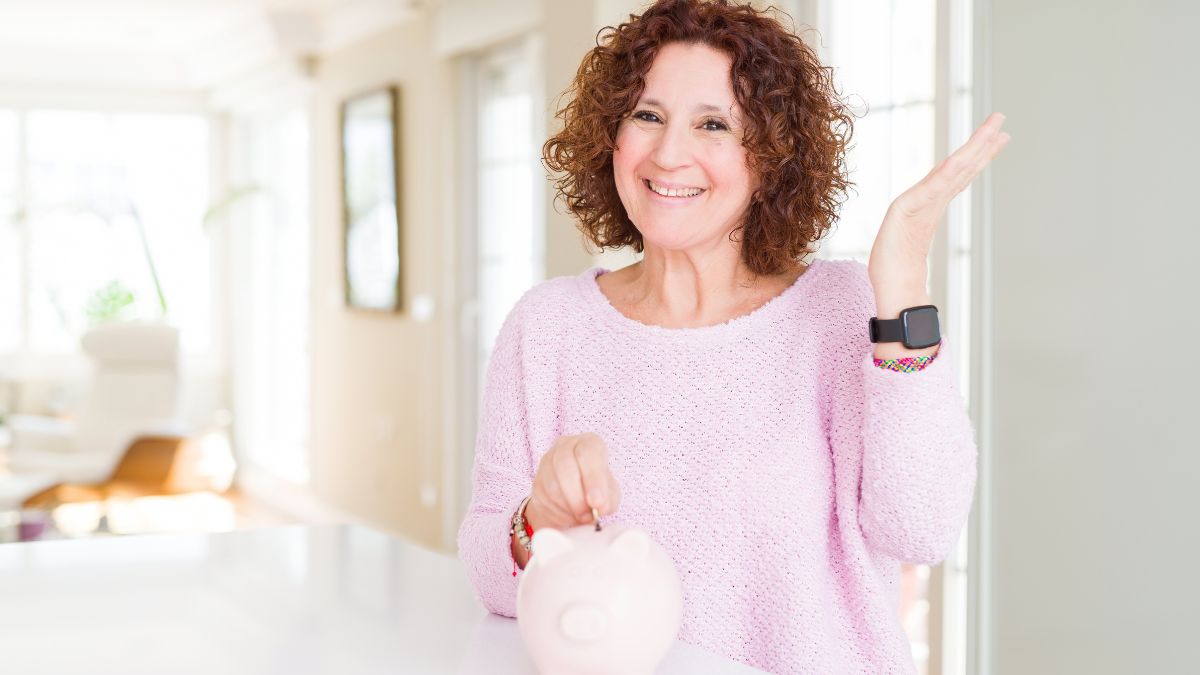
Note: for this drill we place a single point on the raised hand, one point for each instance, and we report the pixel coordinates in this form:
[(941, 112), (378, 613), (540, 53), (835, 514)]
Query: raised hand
[(898, 258)]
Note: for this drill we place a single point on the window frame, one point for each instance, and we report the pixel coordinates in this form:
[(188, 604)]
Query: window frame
[(27, 363), (528, 48), (962, 239)]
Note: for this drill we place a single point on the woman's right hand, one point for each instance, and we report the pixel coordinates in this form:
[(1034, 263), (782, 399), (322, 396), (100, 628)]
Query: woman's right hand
[(572, 479)]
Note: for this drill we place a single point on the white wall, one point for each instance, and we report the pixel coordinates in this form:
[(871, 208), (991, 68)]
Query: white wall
[(1095, 449)]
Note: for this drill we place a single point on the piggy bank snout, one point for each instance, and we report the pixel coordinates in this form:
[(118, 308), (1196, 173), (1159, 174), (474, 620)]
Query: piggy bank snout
[(605, 603), (583, 623)]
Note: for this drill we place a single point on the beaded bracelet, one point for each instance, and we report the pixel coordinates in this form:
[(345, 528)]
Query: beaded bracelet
[(522, 530), (908, 364)]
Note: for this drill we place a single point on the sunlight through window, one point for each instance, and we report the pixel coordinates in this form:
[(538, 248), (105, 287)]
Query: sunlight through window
[(113, 205)]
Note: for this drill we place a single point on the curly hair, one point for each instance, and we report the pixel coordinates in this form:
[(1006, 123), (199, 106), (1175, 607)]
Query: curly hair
[(796, 136)]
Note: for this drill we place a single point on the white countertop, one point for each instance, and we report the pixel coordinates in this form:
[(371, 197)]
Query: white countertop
[(292, 600)]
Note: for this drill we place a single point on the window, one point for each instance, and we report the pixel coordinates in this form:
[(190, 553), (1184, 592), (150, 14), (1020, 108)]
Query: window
[(503, 226), (268, 227), (906, 69), (884, 61), (94, 205), (958, 106), (10, 239), (509, 236)]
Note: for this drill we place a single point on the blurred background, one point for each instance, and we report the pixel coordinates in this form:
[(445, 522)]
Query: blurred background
[(254, 254)]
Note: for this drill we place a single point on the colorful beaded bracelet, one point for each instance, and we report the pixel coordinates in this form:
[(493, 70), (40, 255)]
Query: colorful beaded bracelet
[(908, 364)]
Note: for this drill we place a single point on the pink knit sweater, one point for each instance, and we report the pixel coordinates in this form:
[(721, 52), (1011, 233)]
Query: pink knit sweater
[(784, 473)]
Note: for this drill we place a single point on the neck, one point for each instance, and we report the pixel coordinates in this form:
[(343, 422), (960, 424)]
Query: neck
[(691, 289)]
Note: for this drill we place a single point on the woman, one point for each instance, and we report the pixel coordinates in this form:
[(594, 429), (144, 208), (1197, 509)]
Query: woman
[(720, 393)]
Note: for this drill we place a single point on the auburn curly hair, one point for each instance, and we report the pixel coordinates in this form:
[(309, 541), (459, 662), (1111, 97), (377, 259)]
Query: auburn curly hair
[(796, 127)]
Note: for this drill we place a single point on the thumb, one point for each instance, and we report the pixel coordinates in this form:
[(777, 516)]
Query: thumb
[(610, 499)]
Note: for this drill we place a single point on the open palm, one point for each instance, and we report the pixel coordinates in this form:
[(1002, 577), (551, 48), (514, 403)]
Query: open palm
[(904, 239)]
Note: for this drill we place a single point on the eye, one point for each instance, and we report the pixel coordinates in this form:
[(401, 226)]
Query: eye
[(645, 116), (715, 125)]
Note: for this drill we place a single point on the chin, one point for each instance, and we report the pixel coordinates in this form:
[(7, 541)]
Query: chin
[(660, 237), (674, 236)]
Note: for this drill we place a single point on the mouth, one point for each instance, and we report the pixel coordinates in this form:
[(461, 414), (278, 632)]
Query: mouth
[(674, 193)]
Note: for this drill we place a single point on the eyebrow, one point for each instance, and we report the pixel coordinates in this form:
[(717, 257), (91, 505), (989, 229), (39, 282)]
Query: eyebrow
[(703, 107)]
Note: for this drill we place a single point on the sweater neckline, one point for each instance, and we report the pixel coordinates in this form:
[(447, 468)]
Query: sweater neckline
[(736, 326)]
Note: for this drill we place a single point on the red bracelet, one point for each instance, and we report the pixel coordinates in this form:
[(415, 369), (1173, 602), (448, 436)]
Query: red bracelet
[(528, 531), (519, 517)]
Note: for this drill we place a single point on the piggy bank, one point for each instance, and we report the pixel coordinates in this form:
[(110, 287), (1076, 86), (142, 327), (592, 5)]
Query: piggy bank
[(598, 602)]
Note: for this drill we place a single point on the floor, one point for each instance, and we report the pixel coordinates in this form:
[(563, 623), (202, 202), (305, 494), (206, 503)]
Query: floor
[(192, 512), (249, 513)]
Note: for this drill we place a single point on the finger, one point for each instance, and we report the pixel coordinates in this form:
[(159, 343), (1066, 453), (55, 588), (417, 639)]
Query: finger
[(566, 470), (548, 490), (957, 171), (983, 135), (984, 138), (982, 162), (614, 494), (547, 499), (593, 467), (994, 149), (964, 155), (994, 121)]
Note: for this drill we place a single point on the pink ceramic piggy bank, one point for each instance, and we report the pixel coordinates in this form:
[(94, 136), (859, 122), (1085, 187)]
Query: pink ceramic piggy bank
[(598, 603)]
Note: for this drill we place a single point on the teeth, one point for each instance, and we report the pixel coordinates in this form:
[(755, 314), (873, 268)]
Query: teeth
[(672, 192)]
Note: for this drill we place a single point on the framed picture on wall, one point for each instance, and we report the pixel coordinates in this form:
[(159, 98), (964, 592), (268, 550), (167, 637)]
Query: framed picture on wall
[(371, 200)]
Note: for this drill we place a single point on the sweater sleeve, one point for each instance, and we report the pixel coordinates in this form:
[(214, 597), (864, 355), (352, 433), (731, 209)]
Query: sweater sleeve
[(912, 435), (501, 478)]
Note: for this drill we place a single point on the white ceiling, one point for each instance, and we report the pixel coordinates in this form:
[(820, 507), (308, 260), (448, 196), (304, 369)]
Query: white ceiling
[(178, 45)]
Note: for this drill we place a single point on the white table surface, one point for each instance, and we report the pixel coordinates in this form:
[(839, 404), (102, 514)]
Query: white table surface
[(289, 601)]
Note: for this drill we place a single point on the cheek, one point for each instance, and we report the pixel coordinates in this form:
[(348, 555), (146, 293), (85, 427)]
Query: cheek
[(628, 152), (730, 170), (622, 173)]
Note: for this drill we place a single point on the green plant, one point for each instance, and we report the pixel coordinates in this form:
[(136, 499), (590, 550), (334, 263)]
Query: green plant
[(110, 303), (114, 301), (141, 230), (229, 201)]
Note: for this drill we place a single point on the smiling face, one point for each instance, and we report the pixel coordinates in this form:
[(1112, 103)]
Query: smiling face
[(680, 167)]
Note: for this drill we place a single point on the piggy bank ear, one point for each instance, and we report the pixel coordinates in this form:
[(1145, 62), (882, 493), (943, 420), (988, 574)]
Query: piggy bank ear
[(549, 543), (631, 545)]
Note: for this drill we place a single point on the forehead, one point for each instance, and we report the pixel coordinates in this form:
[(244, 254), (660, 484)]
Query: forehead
[(690, 75)]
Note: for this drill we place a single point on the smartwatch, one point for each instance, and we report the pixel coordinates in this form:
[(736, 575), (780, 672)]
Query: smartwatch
[(917, 328)]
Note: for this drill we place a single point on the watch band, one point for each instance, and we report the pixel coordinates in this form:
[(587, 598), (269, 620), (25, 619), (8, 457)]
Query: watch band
[(917, 328), (886, 330)]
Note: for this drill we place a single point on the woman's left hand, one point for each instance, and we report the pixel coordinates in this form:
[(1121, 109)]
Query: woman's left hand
[(898, 265)]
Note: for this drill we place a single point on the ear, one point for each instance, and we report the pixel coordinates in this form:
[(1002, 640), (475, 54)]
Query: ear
[(632, 545), (549, 543)]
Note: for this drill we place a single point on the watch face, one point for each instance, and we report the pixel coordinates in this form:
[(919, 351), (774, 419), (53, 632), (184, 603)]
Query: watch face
[(921, 327)]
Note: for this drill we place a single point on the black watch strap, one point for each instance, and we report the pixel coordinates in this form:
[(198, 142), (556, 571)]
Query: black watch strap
[(886, 330), (916, 328)]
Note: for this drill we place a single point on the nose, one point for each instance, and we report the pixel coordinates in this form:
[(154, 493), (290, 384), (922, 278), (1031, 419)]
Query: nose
[(673, 148)]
